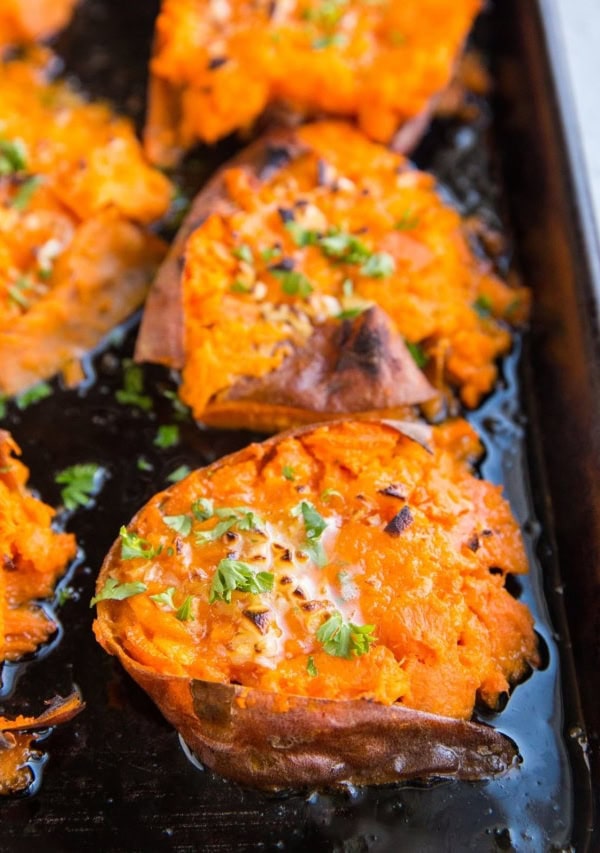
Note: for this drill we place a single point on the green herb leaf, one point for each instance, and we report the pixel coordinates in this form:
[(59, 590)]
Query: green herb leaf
[(33, 395), (115, 591), (293, 283), (240, 517), (345, 247), (332, 40), (203, 508), (23, 195), (167, 436), (483, 306), (184, 613), (179, 523), (302, 236), (288, 472), (180, 409), (348, 287), (3, 402), (64, 594), (133, 385), (345, 639), (330, 493), (314, 525), (233, 575), (419, 355), (165, 598), (80, 483), (270, 253), (142, 464), (351, 313), (13, 156), (133, 547), (311, 667), (240, 287), (407, 221), (243, 253), (379, 265), (178, 474)]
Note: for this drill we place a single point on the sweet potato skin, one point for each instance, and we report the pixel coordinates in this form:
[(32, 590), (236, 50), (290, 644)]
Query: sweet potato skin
[(278, 739)]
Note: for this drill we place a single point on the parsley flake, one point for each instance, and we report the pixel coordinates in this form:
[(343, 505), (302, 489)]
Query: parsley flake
[(133, 547), (233, 575), (80, 483), (344, 247), (33, 395), (142, 464), (203, 508), (419, 355), (25, 192), (293, 283), (483, 306), (345, 639), (179, 523), (184, 613), (13, 156), (301, 236), (288, 472), (379, 265), (407, 221), (165, 598), (115, 591), (133, 386), (243, 253), (178, 474), (167, 436), (311, 667), (314, 526)]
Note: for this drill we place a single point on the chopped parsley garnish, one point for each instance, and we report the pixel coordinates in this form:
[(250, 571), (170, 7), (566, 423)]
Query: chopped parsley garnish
[(419, 355), (142, 464), (327, 14), (311, 667), (180, 410), (16, 295), (270, 253), (330, 493), (25, 192), (407, 221), (314, 526), (131, 394), (233, 575), (167, 436), (293, 283), (115, 591), (483, 306), (240, 287), (345, 639), (203, 508), (288, 472), (379, 265), (13, 157), (33, 395), (178, 474), (3, 400), (348, 287), (351, 313), (243, 253), (344, 247), (165, 598), (80, 483), (184, 613), (133, 547), (331, 40), (179, 523), (64, 594), (240, 517), (302, 236)]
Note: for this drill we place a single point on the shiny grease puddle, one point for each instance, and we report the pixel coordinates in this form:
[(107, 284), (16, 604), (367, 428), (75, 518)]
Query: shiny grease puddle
[(117, 778)]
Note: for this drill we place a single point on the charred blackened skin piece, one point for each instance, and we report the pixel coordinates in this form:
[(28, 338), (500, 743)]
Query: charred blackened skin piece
[(399, 522)]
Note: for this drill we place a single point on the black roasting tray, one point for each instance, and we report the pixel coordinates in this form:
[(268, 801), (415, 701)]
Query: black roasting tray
[(117, 778)]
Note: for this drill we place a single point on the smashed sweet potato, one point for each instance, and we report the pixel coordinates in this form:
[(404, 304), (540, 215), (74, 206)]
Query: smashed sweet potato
[(326, 606), (217, 66), (23, 21), (18, 737), (76, 197), (311, 276), (34, 556)]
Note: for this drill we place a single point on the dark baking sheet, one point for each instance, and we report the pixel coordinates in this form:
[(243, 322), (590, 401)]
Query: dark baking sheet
[(116, 778)]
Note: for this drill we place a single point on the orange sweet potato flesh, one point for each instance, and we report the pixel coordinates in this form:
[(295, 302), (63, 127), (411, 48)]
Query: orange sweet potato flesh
[(34, 556), (23, 21), (255, 353), (76, 257), (414, 545), (17, 736), (217, 67)]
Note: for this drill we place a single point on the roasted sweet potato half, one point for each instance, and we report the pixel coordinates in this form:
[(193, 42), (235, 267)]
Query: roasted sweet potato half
[(218, 66), (313, 277), (23, 21), (33, 557), (76, 197), (326, 606)]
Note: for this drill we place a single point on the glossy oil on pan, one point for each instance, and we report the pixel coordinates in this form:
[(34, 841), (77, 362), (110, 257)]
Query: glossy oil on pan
[(117, 778)]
